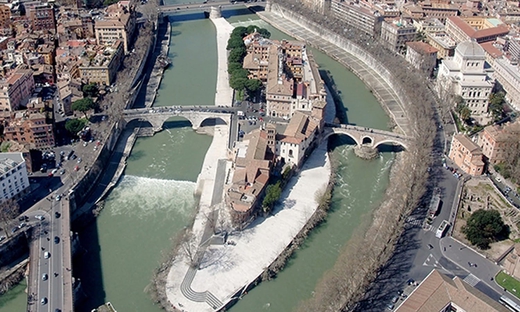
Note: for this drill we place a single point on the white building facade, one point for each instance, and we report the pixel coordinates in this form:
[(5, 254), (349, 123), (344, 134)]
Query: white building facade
[(13, 175), (464, 74)]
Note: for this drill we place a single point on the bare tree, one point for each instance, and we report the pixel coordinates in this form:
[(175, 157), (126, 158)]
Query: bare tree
[(9, 210), (191, 249)]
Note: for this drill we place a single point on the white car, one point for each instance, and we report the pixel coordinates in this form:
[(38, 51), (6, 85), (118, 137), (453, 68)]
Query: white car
[(54, 171), (58, 197), (39, 217), (45, 276), (46, 255)]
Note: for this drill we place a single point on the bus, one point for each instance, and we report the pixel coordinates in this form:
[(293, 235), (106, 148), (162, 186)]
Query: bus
[(434, 206), (510, 304), (441, 231)]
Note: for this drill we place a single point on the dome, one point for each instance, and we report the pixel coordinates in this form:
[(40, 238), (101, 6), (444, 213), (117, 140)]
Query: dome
[(470, 49)]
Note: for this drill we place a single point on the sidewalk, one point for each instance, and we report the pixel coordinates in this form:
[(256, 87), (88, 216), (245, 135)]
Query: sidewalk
[(224, 93)]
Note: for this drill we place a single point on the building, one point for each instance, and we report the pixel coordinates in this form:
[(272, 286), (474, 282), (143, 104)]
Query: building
[(466, 154), (42, 18), (252, 160), (289, 73), (16, 89), (438, 292), (396, 33), (440, 11), (460, 31), (294, 143), (5, 16), (13, 175), (118, 24), (422, 56), (100, 65), (443, 43), (363, 18), (30, 128), (496, 139), (508, 76), (464, 75), (429, 26)]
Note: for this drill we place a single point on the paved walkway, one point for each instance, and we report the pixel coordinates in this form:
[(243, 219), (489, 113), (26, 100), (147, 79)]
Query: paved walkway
[(224, 93)]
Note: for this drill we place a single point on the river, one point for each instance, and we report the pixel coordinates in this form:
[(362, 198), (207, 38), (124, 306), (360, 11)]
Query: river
[(154, 201)]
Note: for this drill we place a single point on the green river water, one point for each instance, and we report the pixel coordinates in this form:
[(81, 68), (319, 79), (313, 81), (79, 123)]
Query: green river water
[(154, 201)]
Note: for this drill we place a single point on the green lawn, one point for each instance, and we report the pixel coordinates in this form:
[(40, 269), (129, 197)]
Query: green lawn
[(508, 282)]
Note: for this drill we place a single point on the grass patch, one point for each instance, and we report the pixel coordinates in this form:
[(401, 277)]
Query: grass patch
[(508, 282)]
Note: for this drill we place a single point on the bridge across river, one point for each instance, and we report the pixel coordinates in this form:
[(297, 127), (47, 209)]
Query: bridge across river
[(195, 114), (367, 137), (183, 7)]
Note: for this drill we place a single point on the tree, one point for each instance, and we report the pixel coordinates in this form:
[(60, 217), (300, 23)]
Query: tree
[(264, 33), (83, 105), (484, 227), (463, 111), (9, 210), (75, 125), (272, 194), (237, 55), (234, 66), (239, 31), (253, 85), (496, 104), (237, 83), (90, 90), (235, 42)]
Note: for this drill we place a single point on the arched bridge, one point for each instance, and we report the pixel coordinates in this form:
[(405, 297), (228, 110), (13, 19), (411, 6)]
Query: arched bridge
[(364, 136), (183, 7), (195, 114)]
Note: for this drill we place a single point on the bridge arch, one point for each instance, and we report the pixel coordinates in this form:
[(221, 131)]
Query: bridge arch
[(394, 142), (213, 121), (366, 140), (326, 136)]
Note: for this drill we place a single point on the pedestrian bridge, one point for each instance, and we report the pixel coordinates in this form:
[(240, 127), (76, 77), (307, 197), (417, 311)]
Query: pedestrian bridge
[(368, 137), (195, 114)]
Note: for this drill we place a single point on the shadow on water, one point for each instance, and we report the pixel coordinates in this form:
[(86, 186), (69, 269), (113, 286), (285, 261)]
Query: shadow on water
[(341, 110), (89, 270)]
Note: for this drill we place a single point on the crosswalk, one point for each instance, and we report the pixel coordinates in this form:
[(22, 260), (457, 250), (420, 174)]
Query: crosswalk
[(471, 280)]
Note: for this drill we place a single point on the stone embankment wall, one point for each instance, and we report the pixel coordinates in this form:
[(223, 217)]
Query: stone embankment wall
[(16, 247), (351, 48)]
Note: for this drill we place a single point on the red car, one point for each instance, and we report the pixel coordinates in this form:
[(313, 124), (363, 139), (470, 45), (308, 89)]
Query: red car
[(76, 168), (50, 174)]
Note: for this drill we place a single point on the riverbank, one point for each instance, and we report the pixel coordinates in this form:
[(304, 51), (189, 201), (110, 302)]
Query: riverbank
[(224, 93), (155, 78)]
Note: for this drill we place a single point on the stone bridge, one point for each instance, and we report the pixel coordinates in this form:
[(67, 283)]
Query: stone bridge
[(195, 114), (367, 137), (198, 6)]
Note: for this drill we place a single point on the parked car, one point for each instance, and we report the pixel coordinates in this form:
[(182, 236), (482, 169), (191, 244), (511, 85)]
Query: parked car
[(46, 255), (56, 239), (45, 276)]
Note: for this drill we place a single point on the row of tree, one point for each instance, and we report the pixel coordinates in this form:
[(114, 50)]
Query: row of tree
[(238, 76)]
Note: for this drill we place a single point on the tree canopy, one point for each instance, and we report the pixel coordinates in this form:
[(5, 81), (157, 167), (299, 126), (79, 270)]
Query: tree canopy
[(272, 194), (83, 105), (9, 209), (463, 111), (90, 90), (496, 104), (484, 227), (75, 125)]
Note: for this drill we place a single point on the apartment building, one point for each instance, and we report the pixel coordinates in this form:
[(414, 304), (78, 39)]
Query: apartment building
[(118, 24), (16, 89), (31, 128), (42, 18), (14, 181), (443, 43), (101, 64), (396, 33), (428, 26), (365, 19), (466, 155), (496, 139), (422, 56)]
